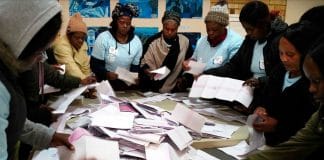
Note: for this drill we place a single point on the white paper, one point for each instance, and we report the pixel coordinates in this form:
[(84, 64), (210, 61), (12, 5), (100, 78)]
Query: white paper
[(180, 137), (238, 151), (222, 130), (164, 151), (62, 70), (223, 88), (89, 147), (48, 154), (49, 89), (161, 73), (105, 88), (188, 117), (126, 76), (121, 120), (62, 103), (153, 138), (256, 139), (196, 68)]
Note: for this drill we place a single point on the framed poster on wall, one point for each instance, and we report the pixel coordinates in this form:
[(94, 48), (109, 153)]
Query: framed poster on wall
[(186, 8), (147, 8), (90, 8)]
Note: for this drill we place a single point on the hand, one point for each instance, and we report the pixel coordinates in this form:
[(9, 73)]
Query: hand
[(88, 80), (148, 73), (260, 111), (252, 82), (46, 107), (265, 124), (57, 67), (185, 65), (111, 75), (60, 139), (91, 93)]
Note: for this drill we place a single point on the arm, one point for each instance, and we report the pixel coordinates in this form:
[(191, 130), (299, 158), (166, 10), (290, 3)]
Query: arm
[(299, 146), (55, 79), (64, 54), (4, 113), (137, 58)]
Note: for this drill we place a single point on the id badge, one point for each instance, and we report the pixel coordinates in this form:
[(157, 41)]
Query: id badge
[(112, 54), (218, 60), (261, 64)]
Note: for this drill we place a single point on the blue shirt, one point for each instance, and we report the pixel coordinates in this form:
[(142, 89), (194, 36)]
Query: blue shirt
[(4, 113), (217, 56), (115, 54), (257, 65)]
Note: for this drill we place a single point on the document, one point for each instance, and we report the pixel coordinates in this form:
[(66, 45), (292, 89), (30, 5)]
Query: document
[(196, 68), (121, 120), (180, 137), (49, 89), (62, 103), (222, 88), (188, 117), (89, 147), (125, 75), (161, 73)]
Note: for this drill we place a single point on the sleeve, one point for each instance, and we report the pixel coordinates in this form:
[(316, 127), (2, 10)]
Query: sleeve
[(55, 79), (98, 68), (4, 113), (235, 46), (299, 146), (189, 51), (194, 56), (136, 60), (37, 135), (64, 55)]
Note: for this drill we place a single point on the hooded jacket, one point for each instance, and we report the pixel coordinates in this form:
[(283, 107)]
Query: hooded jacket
[(16, 32)]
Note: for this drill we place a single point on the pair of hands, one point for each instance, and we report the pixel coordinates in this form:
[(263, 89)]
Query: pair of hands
[(264, 123), (61, 139)]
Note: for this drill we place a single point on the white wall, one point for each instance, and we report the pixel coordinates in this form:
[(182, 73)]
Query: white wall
[(295, 8)]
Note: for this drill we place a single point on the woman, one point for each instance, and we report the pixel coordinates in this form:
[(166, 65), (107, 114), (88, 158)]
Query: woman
[(71, 49), (308, 143), (287, 104), (117, 47), (166, 48), (22, 42), (258, 54)]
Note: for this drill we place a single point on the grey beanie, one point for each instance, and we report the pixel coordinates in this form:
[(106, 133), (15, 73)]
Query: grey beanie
[(218, 17), (20, 20)]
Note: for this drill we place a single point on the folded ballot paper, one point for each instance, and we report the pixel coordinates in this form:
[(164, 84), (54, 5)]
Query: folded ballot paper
[(222, 88), (196, 68), (125, 75), (161, 73)]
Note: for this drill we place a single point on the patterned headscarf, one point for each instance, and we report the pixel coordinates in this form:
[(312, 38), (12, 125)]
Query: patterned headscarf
[(128, 9), (171, 15)]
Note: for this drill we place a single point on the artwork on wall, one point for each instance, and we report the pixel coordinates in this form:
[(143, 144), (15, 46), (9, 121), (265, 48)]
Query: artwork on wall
[(147, 8), (90, 8), (186, 8), (93, 32), (193, 37), (145, 32)]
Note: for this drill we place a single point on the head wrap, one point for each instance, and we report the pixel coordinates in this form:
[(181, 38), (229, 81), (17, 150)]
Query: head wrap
[(21, 20), (76, 24), (128, 9), (171, 15)]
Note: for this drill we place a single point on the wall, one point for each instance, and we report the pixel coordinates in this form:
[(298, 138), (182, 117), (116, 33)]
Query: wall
[(187, 25), (295, 8)]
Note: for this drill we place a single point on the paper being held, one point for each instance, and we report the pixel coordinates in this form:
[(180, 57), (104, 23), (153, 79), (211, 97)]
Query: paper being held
[(161, 73), (196, 68)]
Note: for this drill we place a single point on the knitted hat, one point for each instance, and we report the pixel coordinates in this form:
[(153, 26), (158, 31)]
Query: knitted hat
[(76, 24), (21, 20), (171, 15), (218, 14)]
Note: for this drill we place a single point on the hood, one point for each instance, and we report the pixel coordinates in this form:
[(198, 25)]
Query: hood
[(20, 20)]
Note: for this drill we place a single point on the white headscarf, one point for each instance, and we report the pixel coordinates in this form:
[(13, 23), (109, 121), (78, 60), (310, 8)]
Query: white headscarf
[(20, 20)]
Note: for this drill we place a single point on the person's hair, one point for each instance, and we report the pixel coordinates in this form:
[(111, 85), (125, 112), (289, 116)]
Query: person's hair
[(302, 35), (314, 15), (317, 53), (43, 36), (255, 13)]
